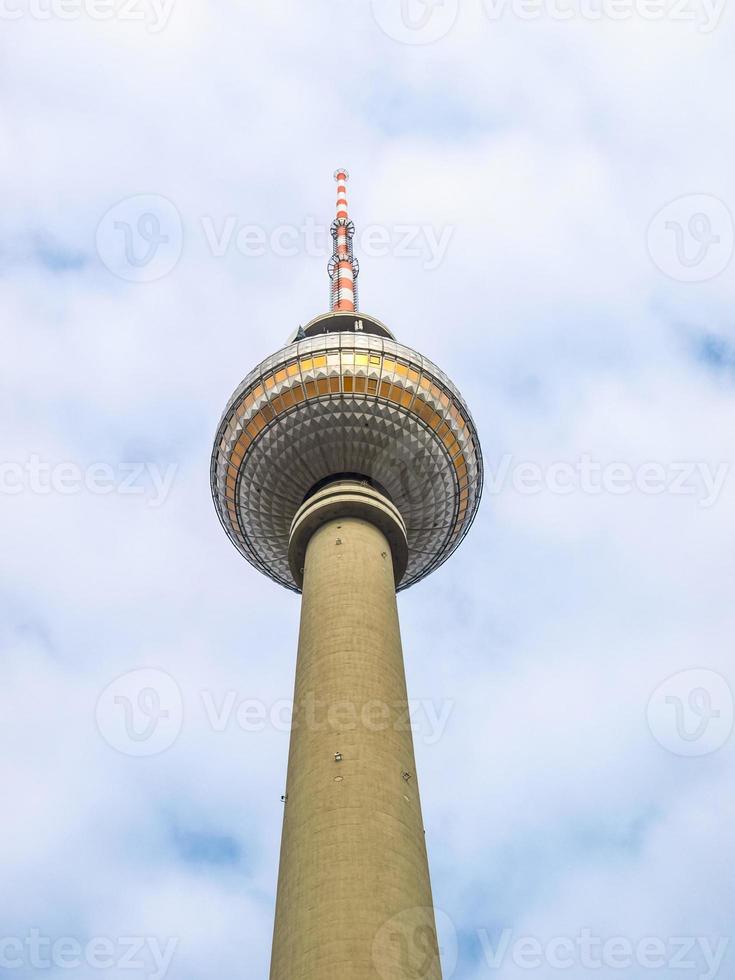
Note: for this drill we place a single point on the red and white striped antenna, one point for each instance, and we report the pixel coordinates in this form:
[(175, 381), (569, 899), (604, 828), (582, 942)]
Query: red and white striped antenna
[(343, 266)]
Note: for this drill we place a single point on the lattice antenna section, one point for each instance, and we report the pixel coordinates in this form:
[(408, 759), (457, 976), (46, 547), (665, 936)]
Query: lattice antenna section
[(343, 266)]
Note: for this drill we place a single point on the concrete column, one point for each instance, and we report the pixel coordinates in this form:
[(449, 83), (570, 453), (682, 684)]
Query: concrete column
[(354, 896)]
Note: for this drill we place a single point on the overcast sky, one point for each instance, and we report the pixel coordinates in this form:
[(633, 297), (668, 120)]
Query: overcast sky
[(543, 196)]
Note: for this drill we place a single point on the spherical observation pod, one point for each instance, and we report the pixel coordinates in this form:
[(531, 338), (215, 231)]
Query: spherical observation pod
[(355, 403)]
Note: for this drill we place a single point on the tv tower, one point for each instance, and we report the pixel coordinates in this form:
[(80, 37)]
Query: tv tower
[(347, 467)]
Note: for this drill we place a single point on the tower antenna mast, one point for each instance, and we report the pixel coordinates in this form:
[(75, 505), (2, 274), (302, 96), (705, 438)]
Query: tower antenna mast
[(343, 266)]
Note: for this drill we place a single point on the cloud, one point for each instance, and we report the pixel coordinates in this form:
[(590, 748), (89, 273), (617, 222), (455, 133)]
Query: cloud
[(546, 148)]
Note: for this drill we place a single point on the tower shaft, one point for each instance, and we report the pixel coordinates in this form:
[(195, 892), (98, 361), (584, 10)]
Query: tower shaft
[(354, 895)]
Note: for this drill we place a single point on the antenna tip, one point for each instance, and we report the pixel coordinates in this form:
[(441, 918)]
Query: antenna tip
[(341, 174)]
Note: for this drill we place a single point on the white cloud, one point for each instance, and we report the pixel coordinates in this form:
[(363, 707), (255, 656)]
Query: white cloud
[(547, 147)]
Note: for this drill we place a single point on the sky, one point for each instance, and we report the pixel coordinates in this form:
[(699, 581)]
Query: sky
[(543, 193)]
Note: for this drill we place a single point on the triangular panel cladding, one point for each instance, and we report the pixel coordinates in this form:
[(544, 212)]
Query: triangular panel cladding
[(320, 419)]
